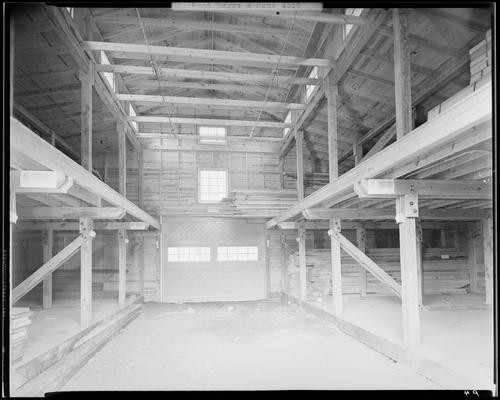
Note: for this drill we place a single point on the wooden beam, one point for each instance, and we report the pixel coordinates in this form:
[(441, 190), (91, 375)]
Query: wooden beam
[(86, 78), (47, 243), (207, 56), (405, 208), (122, 159), (72, 212), (83, 194), (122, 266), (331, 92), (50, 266), (472, 235), (474, 110), (336, 274), (487, 228), (402, 73), (302, 264), (35, 225), (382, 142), (426, 188), (210, 102), (201, 25), (366, 262), (24, 141), (86, 230), (209, 121), (361, 243), (207, 75), (299, 135)]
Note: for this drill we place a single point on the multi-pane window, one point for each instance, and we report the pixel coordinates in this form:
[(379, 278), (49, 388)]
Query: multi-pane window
[(213, 131), (132, 113), (212, 185), (351, 11), (109, 77), (188, 254), (238, 253), (288, 119), (310, 88)]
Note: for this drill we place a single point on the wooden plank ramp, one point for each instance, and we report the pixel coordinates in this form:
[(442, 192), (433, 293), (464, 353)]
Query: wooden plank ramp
[(51, 370)]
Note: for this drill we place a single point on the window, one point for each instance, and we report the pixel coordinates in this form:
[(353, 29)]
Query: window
[(188, 254), (351, 11), (132, 113), (216, 131), (288, 119), (108, 76), (71, 11), (310, 88), (238, 253), (212, 185)]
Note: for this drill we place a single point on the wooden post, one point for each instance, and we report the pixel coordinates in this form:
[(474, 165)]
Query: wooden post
[(86, 79), (281, 168), (302, 264), (141, 266), (357, 151), (336, 267), (284, 269), (406, 214), (122, 159), (420, 270), (487, 228), (267, 267), (122, 266), (299, 136), (472, 234), (402, 72), (361, 242), (140, 160), (86, 229), (48, 242), (442, 237), (331, 92)]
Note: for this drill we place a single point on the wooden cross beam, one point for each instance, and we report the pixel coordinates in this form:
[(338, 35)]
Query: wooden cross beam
[(210, 121), (71, 212), (426, 188), (207, 56), (34, 225)]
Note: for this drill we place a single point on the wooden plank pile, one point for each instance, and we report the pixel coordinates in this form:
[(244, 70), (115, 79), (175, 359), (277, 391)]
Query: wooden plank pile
[(445, 270), (20, 320), (261, 202), (480, 59)]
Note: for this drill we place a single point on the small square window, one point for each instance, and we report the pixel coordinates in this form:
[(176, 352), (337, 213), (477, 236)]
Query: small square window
[(188, 254), (213, 131)]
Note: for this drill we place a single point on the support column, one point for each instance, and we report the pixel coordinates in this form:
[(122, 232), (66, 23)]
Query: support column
[(86, 229), (87, 80), (472, 234), (406, 214), (420, 270), (487, 228), (299, 136), (336, 267), (302, 264), (122, 159), (331, 95), (48, 243), (402, 72), (284, 269), (122, 266), (140, 160), (141, 266), (361, 241), (281, 169)]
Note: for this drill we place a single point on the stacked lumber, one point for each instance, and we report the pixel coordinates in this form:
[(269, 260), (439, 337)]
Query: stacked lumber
[(445, 270), (480, 59), (19, 322), (261, 202)]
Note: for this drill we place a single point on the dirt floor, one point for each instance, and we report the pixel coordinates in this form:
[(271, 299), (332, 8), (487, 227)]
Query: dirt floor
[(238, 346)]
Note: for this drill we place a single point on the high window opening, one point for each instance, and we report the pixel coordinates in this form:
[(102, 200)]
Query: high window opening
[(351, 11), (212, 186), (288, 120), (132, 113), (188, 254), (71, 11), (237, 253), (311, 88), (216, 132), (109, 77)]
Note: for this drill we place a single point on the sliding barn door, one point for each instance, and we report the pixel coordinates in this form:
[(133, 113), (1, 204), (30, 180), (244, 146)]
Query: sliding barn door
[(212, 259)]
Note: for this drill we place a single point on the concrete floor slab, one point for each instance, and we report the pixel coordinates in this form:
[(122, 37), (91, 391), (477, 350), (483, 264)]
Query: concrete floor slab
[(262, 345)]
